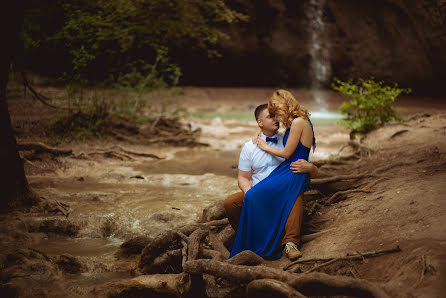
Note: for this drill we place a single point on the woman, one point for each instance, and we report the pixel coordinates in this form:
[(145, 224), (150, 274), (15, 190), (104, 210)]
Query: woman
[(267, 205)]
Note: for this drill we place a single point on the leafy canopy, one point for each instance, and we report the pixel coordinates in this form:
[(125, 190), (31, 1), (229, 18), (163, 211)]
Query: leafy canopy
[(106, 39), (369, 105)]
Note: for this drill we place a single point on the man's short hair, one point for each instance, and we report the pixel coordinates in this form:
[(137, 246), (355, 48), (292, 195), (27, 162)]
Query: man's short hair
[(260, 109)]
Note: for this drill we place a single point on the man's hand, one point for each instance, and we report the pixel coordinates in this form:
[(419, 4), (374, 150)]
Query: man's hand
[(260, 143), (303, 166)]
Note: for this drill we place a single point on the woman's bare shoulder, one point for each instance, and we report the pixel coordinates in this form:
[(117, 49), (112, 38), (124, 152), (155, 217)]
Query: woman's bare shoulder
[(298, 121)]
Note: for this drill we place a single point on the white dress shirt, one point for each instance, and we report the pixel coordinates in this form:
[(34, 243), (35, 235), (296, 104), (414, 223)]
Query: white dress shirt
[(255, 160)]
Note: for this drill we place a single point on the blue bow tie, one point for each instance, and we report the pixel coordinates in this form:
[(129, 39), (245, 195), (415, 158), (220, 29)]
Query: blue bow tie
[(273, 140)]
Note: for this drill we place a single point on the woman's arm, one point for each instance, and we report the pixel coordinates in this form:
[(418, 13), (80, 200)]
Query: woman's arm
[(296, 129), (303, 166)]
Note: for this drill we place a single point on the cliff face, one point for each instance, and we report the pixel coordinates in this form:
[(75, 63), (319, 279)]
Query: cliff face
[(287, 41)]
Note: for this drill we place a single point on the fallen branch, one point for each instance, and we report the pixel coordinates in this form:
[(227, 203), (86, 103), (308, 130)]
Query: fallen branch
[(40, 97), (315, 268), (348, 256)]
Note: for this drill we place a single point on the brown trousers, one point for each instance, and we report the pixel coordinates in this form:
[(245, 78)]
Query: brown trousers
[(233, 206)]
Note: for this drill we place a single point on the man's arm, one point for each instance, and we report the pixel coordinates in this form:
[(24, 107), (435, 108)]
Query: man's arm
[(244, 180), (303, 166)]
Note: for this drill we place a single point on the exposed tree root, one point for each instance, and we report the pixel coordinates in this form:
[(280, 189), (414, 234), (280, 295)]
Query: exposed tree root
[(309, 284), (218, 245), (54, 206), (152, 285), (164, 261), (194, 243), (321, 181), (342, 160), (310, 237), (39, 147), (212, 254), (246, 257), (271, 288), (184, 253), (170, 240), (391, 166), (226, 235), (183, 140), (111, 154), (138, 153), (400, 132), (339, 194), (358, 147)]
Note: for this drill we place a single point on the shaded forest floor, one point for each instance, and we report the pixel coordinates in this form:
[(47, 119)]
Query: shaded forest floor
[(390, 192)]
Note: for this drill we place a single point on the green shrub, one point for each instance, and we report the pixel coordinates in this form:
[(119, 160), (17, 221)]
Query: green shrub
[(370, 103)]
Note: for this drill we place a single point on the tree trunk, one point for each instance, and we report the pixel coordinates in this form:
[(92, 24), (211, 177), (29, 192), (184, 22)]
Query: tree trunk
[(15, 191)]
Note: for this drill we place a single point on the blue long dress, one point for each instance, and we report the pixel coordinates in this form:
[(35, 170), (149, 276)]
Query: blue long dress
[(267, 205)]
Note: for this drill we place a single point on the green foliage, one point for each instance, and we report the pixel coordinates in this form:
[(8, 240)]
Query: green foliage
[(130, 46), (370, 103), (105, 40)]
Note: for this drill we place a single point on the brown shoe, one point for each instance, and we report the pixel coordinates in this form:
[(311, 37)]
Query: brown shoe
[(292, 252)]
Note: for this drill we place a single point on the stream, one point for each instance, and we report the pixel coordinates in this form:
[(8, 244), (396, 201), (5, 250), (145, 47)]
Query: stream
[(113, 200)]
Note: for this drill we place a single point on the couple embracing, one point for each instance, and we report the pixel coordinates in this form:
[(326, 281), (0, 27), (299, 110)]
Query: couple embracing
[(268, 215)]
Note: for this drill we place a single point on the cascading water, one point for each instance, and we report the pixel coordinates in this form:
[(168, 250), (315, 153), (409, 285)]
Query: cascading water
[(320, 70)]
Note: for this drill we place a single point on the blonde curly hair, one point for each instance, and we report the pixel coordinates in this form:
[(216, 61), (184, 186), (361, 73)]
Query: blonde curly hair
[(285, 107)]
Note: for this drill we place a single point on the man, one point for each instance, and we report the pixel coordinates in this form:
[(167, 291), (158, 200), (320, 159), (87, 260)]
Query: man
[(255, 164)]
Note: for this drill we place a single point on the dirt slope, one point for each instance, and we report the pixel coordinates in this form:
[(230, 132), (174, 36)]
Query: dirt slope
[(406, 207)]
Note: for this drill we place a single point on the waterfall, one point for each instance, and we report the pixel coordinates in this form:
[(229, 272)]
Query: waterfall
[(319, 51)]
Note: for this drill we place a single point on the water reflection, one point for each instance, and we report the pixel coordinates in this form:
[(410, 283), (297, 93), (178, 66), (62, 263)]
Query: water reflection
[(326, 115)]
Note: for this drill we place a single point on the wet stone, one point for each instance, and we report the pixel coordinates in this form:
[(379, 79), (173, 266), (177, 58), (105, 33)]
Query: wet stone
[(68, 263), (133, 246), (60, 226)]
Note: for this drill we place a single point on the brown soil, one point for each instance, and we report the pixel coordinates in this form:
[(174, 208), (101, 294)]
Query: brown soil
[(405, 206)]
